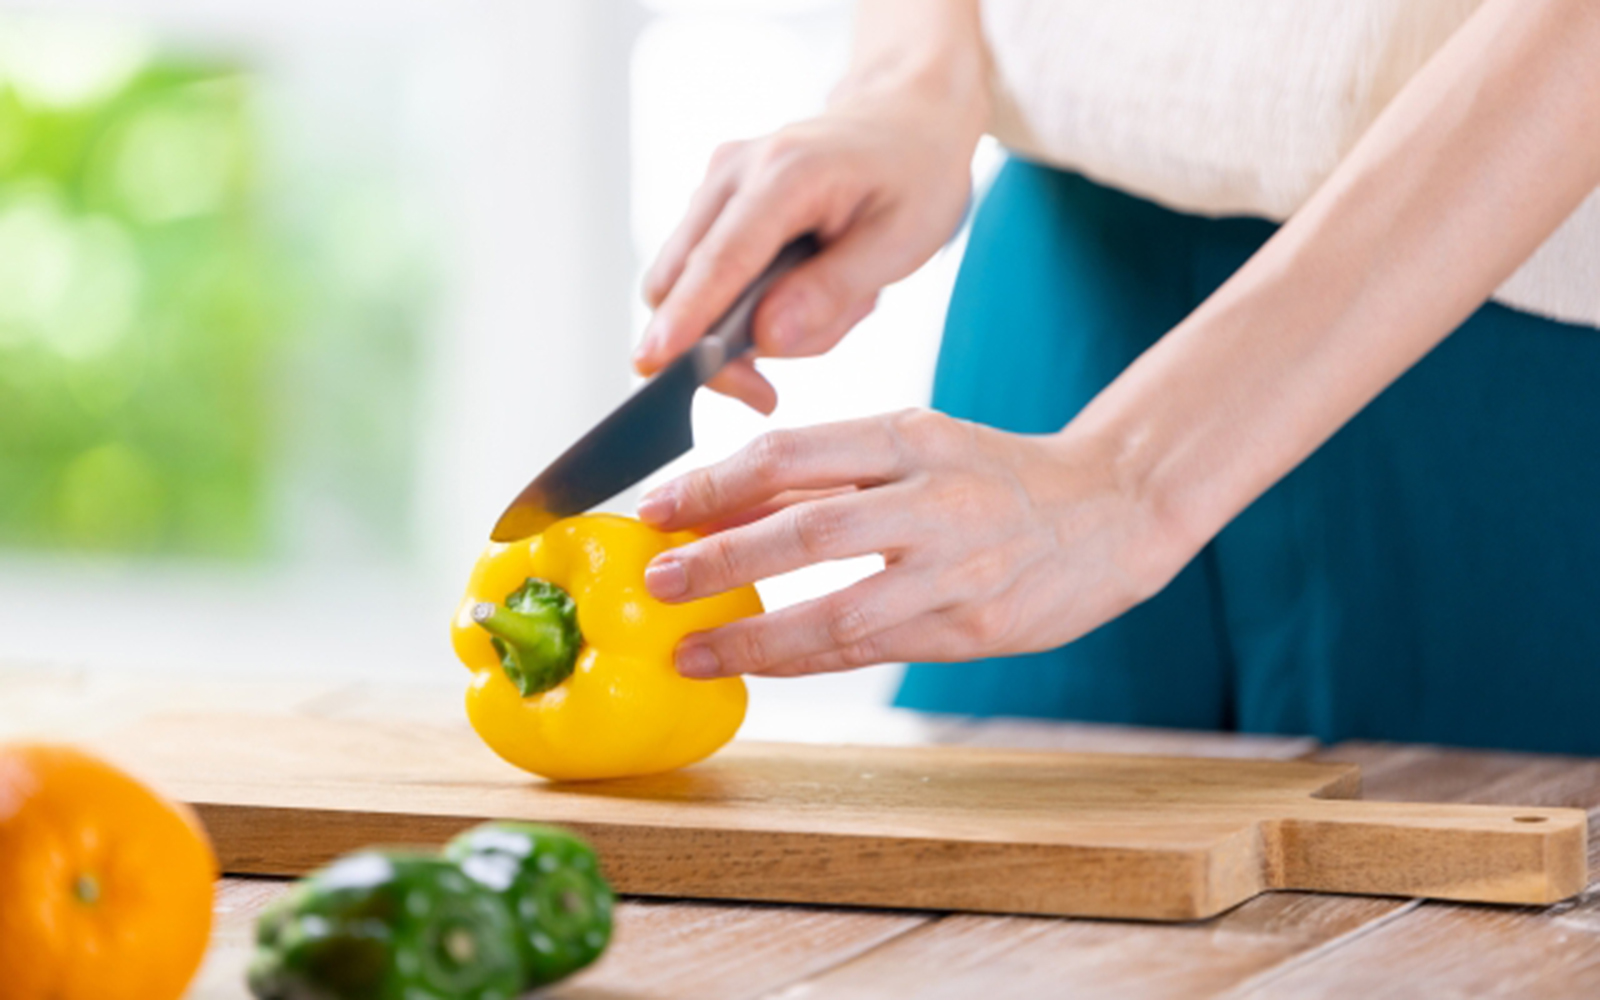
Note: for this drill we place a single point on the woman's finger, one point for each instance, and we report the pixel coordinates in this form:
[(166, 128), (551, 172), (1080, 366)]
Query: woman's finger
[(757, 220), (810, 309), (836, 528), (849, 619), (704, 207), (820, 336), (930, 636), (786, 499), (740, 380), (849, 453)]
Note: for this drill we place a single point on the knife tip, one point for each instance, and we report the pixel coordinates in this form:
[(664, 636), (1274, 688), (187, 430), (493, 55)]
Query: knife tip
[(519, 522)]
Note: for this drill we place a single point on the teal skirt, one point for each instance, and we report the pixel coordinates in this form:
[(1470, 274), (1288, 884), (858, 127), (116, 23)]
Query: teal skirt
[(1432, 573)]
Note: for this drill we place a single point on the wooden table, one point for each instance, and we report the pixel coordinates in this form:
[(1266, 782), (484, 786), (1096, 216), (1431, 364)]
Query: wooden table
[(1279, 945)]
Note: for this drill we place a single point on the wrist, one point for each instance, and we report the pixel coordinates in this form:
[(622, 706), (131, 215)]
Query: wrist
[(1148, 537), (1152, 461), (1139, 467)]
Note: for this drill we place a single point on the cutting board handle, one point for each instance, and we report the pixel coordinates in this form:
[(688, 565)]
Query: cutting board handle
[(1485, 853)]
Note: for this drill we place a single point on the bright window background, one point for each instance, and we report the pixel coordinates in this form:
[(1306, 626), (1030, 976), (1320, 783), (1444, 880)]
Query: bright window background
[(294, 297)]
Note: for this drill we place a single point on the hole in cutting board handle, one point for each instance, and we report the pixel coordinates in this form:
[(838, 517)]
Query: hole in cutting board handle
[(1529, 819)]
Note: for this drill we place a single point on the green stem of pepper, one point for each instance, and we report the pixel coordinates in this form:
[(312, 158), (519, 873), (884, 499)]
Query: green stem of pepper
[(536, 634)]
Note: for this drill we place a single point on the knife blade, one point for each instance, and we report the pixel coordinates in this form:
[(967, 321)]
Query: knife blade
[(651, 427)]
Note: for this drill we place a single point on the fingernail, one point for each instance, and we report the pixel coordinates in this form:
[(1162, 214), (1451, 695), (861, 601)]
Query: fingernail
[(665, 579), (658, 506), (655, 332), (696, 661)]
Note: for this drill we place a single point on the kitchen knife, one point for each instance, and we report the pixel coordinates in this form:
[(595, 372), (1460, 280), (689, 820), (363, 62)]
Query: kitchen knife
[(650, 428)]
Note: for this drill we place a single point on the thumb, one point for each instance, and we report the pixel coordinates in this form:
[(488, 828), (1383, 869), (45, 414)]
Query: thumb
[(811, 308)]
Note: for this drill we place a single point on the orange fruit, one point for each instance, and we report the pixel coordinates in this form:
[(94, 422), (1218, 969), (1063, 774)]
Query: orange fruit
[(105, 887)]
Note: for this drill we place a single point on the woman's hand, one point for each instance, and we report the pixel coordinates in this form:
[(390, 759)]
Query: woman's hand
[(999, 543), (993, 543), (882, 177)]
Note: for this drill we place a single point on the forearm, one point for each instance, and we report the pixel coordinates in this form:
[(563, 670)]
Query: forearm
[(1472, 166), (933, 48)]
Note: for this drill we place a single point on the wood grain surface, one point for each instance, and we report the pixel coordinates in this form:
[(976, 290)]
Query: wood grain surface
[(944, 828), (1279, 945)]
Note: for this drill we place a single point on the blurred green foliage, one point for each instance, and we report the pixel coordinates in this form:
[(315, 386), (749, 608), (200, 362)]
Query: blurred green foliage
[(142, 314)]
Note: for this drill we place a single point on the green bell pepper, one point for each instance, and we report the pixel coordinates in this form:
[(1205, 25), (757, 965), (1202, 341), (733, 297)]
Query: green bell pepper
[(552, 881), (389, 926)]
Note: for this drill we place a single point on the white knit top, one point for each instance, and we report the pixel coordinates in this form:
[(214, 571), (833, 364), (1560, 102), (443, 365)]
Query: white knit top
[(1227, 107)]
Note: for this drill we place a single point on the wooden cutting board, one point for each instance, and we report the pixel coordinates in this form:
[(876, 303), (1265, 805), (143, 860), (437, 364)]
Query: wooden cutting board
[(948, 828)]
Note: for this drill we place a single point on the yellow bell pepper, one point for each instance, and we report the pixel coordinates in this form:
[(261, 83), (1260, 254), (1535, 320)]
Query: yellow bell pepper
[(572, 658)]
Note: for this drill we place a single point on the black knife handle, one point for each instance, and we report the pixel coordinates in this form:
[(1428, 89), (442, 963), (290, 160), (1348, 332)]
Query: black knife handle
[(731, 336)]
